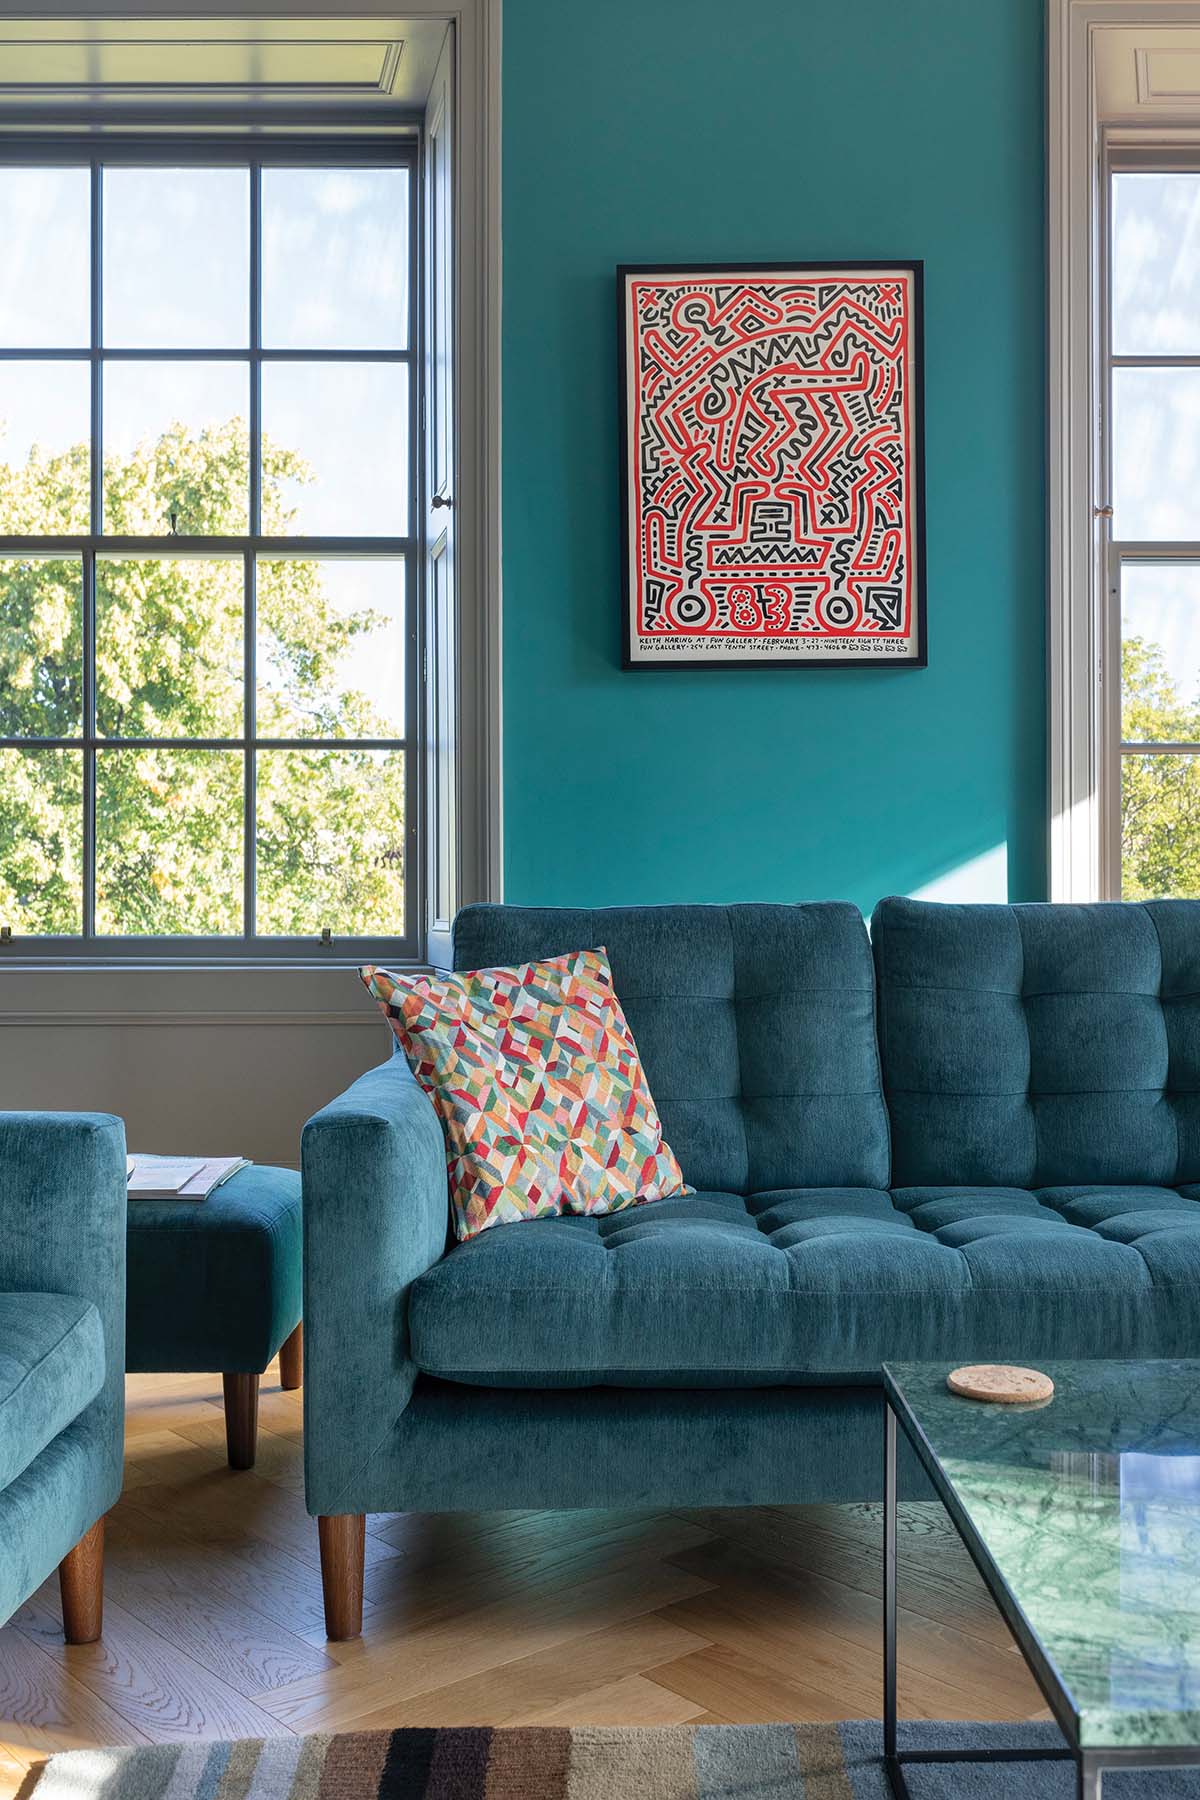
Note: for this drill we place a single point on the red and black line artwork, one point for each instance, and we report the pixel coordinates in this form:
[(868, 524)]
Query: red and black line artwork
[(773, 474)]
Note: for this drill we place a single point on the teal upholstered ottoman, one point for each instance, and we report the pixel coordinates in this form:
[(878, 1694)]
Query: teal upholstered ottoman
[(216, 1285)]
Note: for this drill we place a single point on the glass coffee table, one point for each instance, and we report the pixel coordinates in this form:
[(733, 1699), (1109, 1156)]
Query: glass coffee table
[(1082, 1514)]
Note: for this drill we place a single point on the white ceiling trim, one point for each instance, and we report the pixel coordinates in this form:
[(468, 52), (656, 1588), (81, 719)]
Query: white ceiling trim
[(204, 66), (102, 60), (1146, 68)]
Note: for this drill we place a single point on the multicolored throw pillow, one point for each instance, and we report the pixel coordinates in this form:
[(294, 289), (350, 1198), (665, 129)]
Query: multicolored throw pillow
[(539, 1087)]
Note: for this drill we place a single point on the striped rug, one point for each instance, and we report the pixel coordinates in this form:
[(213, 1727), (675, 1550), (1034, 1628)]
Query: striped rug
[(587, 1762)]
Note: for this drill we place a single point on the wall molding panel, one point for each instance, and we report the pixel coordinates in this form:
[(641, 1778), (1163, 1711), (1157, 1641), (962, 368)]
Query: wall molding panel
[(217, 1022)]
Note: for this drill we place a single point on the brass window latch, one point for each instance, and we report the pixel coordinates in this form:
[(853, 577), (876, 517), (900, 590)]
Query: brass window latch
[(1102, 512)]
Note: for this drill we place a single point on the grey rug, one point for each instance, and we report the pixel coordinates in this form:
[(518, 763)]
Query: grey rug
[(587, 1762)]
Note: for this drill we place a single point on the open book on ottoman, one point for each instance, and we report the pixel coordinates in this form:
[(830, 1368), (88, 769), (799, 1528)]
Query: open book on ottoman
[(179, 1177)]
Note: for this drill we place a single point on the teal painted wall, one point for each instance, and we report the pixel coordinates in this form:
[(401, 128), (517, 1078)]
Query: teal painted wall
[(637, 130)]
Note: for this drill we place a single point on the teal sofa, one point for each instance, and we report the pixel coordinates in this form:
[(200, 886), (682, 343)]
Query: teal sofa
[(62, 1355), (973, 1134)]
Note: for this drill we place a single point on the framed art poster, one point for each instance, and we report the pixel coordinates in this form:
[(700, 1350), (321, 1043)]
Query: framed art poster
[(772, 467)]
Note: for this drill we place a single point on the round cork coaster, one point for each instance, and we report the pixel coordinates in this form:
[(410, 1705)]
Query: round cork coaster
[(1000, 1382)]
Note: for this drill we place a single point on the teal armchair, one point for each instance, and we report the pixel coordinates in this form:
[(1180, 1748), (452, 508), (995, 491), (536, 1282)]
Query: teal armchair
[(62, 1355)]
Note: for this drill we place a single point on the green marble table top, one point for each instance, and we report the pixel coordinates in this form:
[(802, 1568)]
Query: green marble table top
[(1087, 1511)]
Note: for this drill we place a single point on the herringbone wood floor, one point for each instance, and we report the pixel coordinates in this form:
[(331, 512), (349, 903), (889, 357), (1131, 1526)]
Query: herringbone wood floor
[(213, 1611)]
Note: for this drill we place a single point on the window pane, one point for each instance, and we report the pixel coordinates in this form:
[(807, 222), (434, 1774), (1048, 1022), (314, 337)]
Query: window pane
[(1156, 264), (335, 449), (1160, 827), (1156, 453), (45, 463), (331, 648), (41, 841), (169, 842), (176, 258), (335, 259), (330, 842), (1160, 653), (45, 269), (176, 448), (41, 647), (169, 657)]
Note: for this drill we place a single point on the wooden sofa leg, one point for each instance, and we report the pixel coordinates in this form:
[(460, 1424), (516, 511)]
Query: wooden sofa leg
[(291, 1359), (343, 1544), (81, 1583), (241, 1419)]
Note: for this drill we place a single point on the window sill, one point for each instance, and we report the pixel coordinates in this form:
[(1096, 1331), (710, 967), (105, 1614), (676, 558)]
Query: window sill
[(82, 995)]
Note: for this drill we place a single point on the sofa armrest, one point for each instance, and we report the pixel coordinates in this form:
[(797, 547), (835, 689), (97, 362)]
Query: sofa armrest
[(375, 1217), (63, 1201)]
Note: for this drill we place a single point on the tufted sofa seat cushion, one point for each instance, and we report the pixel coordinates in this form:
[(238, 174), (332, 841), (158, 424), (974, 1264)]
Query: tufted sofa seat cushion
[(814, 1284), (755, 1026)]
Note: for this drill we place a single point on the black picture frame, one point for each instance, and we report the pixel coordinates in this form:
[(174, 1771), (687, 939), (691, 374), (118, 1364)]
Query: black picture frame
[(911, 271)]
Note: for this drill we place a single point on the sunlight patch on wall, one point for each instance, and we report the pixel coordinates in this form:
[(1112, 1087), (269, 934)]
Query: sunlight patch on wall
[(984, 877)]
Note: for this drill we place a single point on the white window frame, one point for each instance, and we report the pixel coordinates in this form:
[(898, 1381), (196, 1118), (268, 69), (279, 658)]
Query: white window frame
[(90, 550), (1118, 554), (476, 862), (1083, 637)]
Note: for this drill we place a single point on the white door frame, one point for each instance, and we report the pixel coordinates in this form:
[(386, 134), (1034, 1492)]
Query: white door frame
[(1081, 716)]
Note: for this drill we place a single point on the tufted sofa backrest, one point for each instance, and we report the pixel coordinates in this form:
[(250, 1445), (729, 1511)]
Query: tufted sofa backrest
[(755, 1025), (1040, 1046)]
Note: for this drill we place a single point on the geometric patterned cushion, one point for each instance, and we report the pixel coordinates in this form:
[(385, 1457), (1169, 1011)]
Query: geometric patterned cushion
[(537, 1081)]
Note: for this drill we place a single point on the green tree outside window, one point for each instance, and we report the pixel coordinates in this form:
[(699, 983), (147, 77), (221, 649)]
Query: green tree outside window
[(1160, 795), (169, 657)]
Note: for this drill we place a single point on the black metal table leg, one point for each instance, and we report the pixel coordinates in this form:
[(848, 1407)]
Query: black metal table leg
[(890, 1762), (1090, 1774)]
